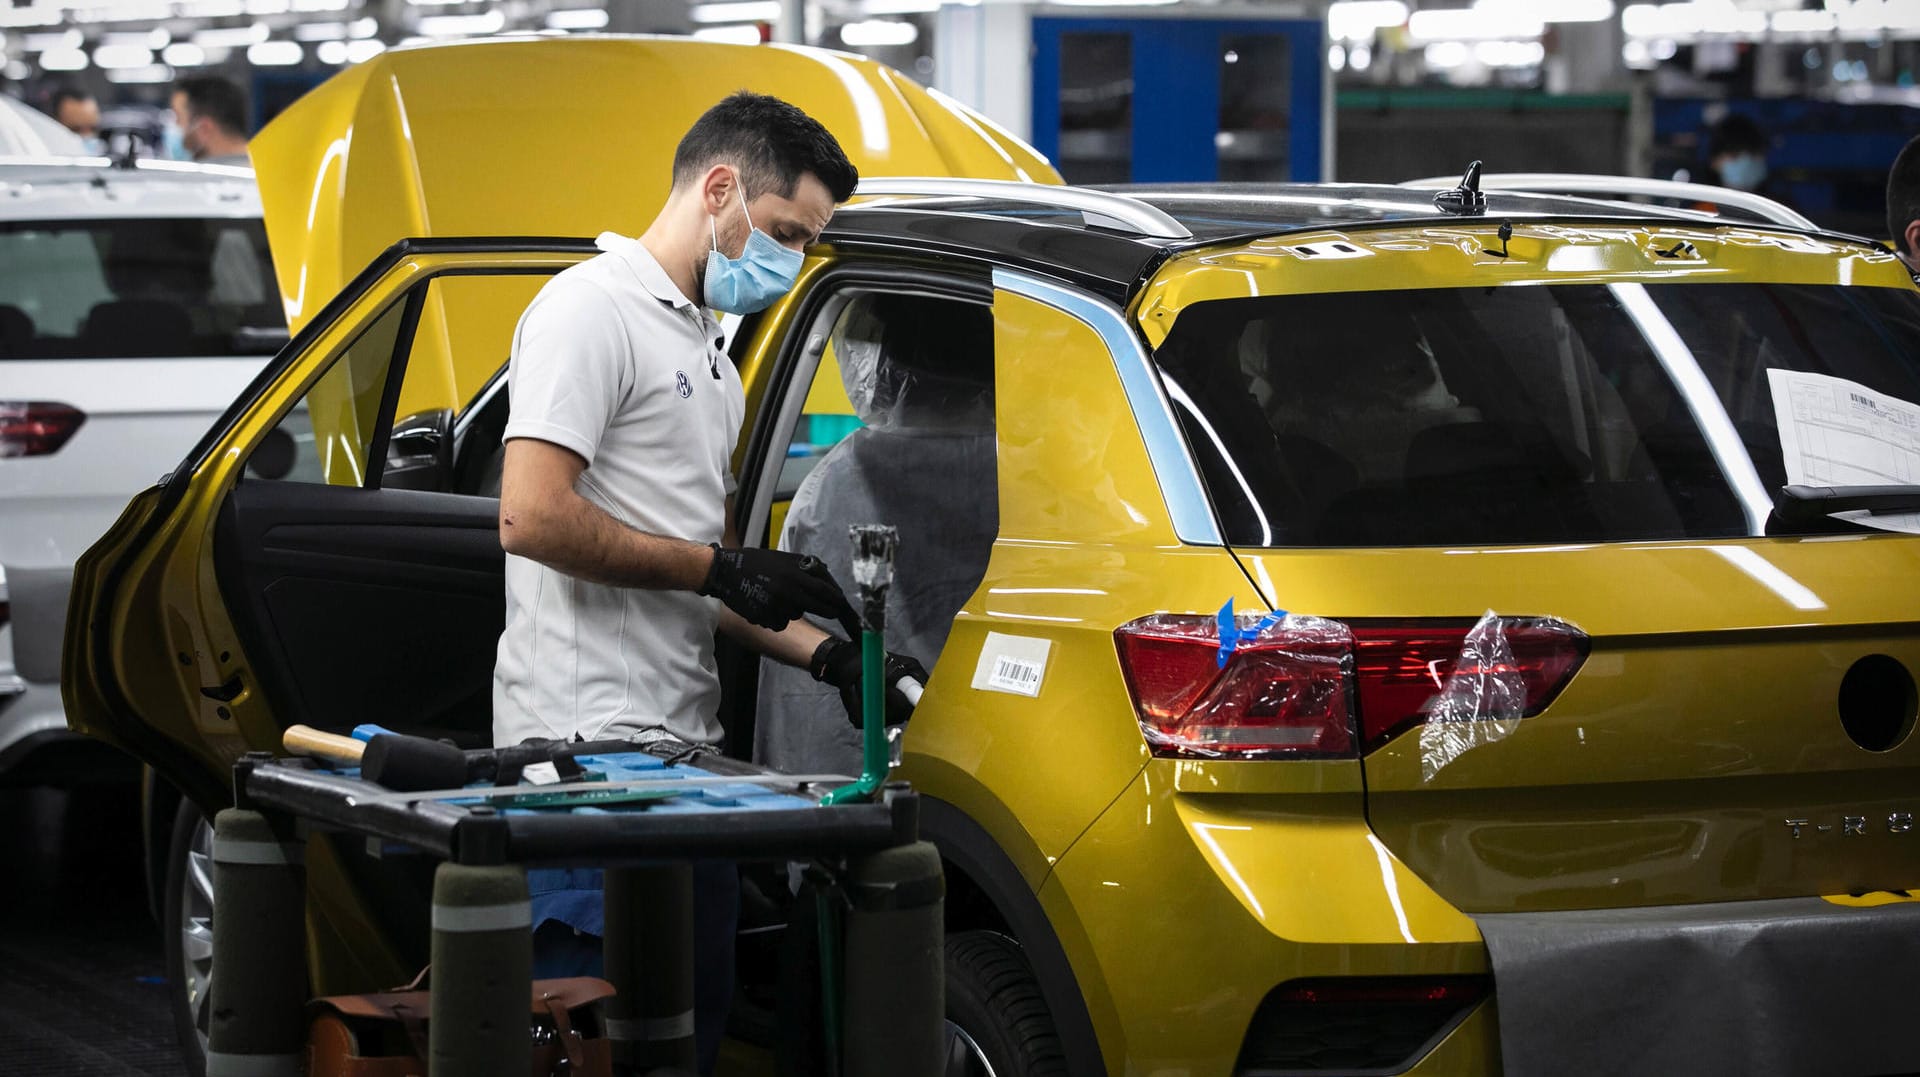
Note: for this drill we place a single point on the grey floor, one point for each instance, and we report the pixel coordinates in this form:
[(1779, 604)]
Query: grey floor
[(82, 977)]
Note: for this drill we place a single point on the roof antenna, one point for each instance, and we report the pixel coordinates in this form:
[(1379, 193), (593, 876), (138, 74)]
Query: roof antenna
[(1466, 199)]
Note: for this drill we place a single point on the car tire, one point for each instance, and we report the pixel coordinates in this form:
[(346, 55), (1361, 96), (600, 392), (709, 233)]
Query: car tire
[(188, 927), (997, 1021)]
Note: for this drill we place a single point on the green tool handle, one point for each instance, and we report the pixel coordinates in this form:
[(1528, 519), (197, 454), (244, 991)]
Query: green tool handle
[(873, 711)]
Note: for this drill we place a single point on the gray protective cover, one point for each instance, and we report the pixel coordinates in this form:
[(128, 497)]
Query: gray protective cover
[(938, 489), (1796, 987), (39, 601)]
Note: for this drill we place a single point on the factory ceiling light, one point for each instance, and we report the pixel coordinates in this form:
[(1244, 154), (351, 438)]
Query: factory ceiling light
[(1474, 24), (148, 74), (586, 18), (1551, 10), (1359, 20), (116, 57), (463, 25), (879, 33), (753, 11), (732, 35), (275, 54), (63, 60)]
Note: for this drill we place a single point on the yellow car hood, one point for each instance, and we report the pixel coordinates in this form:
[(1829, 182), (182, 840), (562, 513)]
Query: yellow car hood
[(561, 137)]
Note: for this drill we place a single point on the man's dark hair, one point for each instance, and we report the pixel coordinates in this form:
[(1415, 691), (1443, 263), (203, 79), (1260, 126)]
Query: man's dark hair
[(65, 94), (1736, 134), (1903, 194), (771, 142), (217, 99)]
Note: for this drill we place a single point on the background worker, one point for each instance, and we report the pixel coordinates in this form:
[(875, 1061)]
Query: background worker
[(615, 500), (76, 110), (1737, 154), (1903, 204), (211, 113)]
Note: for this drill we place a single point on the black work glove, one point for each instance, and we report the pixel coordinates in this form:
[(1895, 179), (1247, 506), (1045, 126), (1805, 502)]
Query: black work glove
[(772, 587), (837, 662)]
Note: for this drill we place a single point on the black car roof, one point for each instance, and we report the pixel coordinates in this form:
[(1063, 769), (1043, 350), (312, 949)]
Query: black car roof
[(1061, 243)]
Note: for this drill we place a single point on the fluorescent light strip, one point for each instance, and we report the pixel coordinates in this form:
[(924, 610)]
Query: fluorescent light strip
[(119, 57), (148, 74), (879, 33), (752, 11), (275, 54), (320, 31), (589, 18), (463, 25), (730, 35)]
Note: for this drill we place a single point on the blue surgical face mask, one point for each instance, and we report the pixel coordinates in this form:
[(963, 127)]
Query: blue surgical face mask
[(173, 146), (1745, 172), (764, 272)]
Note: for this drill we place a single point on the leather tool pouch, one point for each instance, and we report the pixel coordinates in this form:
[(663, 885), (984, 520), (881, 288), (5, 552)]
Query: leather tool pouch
[(385, 1034)]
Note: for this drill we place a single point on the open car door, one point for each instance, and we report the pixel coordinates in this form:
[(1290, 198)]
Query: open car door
[(329, 553)]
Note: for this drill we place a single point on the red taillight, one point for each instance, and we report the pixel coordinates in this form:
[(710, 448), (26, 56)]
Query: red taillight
[(1301, 688), (1401, 667), (36, 427), (1284, 693)]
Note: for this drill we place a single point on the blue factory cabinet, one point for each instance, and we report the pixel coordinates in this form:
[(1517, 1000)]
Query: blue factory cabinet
[(1160, 100)]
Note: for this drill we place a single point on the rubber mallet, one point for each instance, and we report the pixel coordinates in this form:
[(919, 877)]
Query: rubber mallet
[(399, 762)]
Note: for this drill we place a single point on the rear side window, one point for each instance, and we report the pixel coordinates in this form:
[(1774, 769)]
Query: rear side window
[(1516, 414), (114, 289)]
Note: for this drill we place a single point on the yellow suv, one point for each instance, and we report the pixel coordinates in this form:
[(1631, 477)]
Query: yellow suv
[(1353, 611)]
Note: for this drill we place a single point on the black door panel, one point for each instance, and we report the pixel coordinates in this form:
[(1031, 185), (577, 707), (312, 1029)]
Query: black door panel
[(362, 605)]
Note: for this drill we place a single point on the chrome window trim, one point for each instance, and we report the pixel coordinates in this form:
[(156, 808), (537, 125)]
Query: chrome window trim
[(1174, 469)]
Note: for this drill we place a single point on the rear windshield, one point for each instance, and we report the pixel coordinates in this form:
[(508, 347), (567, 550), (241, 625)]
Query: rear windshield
[(116, 289), (1523, 414)]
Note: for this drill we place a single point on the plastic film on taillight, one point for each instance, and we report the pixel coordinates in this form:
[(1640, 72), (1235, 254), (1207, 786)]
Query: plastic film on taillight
[(1506, 670)]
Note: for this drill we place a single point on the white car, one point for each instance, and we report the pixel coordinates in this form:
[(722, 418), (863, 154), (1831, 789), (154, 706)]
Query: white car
[(26, 130), (135, 304)]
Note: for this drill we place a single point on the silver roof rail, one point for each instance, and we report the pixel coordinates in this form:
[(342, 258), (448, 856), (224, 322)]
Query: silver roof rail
[(1104, 209), (1614, 186)]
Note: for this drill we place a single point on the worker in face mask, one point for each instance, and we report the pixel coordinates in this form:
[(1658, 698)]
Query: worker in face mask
[(1737, 154), (616, 508)]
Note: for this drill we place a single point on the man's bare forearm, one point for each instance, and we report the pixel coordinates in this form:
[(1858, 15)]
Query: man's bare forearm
[(570, 534), (793, 644)]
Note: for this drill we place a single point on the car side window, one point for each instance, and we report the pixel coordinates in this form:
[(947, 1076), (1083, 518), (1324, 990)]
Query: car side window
[(893, 424), (451, 336)]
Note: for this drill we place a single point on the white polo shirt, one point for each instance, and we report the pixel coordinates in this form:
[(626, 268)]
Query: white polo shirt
[(613, 363)]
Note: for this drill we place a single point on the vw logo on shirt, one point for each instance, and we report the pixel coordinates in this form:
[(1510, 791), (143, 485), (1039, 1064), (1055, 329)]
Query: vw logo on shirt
[(681, 384)]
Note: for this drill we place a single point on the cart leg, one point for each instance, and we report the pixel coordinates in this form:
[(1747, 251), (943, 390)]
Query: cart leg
[(258, 1024), (482, 968), (649, 961), (895, 980)]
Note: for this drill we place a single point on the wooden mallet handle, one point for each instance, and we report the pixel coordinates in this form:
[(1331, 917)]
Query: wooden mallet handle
[(306, 740)]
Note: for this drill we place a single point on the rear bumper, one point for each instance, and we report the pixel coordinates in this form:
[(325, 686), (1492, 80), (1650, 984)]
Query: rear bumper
[(1180, 913)]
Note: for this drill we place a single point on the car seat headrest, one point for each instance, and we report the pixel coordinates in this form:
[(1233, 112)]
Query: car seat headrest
[(918, 363)]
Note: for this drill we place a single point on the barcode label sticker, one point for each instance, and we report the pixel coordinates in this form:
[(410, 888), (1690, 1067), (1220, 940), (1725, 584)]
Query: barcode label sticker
[(1013, 664), (1015, 675)]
